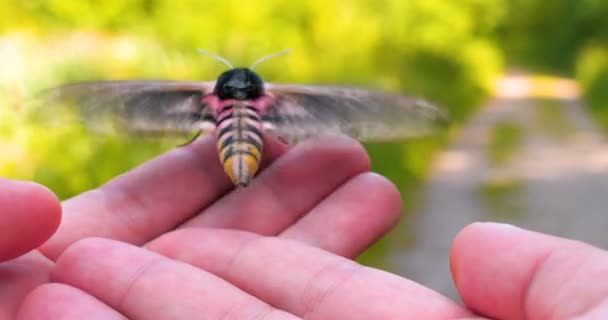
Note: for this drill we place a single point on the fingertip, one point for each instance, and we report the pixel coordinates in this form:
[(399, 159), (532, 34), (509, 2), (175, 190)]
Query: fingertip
[(474, 240), (31, 215), (346, 155), (390, 196), (345, 147), (367, 206), (349, 220), (468, 241), (477, 254), (46, 201)]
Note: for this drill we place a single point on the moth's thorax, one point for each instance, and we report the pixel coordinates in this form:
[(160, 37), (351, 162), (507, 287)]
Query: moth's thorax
[(239, 84), (214, 103)]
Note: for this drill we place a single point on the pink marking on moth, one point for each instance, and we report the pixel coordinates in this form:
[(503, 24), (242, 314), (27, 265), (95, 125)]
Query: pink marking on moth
[(222, 114), (214, 103), (262, 103)]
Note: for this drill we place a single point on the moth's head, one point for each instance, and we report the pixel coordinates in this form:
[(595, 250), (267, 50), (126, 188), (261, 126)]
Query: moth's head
[(239, 84)]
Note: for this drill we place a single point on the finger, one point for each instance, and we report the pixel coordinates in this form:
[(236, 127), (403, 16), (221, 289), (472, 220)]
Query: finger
[(290, 187), (30, 215), (150, 199), (349, 220), (144, 285), (509, 273), (18, 277), (303, 280), (58, 301)]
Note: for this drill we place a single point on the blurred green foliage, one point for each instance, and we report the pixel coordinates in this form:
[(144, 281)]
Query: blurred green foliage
[(550, 117), (568, 37), (592, 73), (439, 50), (549, 35)]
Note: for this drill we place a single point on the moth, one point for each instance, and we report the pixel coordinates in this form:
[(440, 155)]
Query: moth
[(239, 108)]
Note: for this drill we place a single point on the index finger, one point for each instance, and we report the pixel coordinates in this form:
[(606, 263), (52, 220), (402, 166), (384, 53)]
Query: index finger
[(150, 199)]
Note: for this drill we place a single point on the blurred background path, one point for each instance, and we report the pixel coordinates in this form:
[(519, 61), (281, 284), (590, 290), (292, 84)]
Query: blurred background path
[(532, 157)]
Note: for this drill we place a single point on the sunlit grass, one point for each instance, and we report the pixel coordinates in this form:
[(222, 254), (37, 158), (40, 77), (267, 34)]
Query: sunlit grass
[(501, 193), (503, 198), (550, 117), (547, 86), (506, 139), (538, 86), (592, 72)]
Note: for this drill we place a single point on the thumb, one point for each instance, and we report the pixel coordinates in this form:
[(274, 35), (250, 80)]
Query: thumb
[(509, 273)]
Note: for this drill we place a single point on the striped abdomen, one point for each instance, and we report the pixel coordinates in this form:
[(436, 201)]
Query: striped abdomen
[(239, 142)]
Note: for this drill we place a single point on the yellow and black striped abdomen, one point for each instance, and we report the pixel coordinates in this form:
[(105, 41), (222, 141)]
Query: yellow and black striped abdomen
[(239, 142)]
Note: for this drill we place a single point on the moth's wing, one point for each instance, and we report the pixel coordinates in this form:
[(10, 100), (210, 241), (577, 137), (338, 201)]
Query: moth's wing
[(298, 112), (132, 107)]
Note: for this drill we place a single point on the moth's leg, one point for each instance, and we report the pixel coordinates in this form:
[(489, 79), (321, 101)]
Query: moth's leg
[(271, 129), (206, 127)]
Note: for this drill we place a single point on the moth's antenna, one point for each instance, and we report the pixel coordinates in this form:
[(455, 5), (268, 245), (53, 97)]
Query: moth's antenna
[(270, 56), (216, 57)]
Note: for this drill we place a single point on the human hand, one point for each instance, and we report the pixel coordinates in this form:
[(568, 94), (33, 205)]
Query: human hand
[(502, 272), (244, 275), (187, 187)]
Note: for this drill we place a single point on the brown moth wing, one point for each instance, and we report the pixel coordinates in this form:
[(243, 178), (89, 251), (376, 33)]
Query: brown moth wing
[(299, 112), (134, 107)]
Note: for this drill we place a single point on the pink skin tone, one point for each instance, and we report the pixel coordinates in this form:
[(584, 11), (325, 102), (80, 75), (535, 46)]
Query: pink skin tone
[(168, 240)]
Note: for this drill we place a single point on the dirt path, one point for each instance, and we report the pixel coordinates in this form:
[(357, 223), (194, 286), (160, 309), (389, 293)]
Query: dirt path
[(555, 178)]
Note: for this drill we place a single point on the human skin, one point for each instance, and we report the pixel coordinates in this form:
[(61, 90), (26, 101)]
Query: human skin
[(169, 240), (187, 187)]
